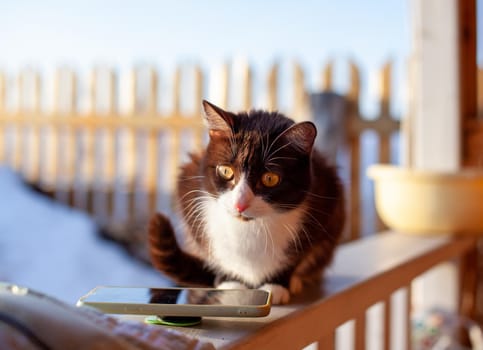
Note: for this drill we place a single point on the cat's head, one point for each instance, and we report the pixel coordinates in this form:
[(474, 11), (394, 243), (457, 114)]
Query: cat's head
[(257, 163)]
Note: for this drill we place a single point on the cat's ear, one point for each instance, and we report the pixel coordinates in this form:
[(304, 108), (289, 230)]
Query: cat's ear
[(218, 121), (302, 136)]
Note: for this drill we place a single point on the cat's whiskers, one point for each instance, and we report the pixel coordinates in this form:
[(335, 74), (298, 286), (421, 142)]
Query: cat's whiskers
[(272, 154), (193, 204), (188, 178), (264, 146), (196, 212), (295, 237), (319, 196), (203, 192), (281, 158), (306, 211), (270, 235), (273, 142), (285, 145)]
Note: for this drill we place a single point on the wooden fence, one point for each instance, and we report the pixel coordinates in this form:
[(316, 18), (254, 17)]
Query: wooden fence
[(119, 162)]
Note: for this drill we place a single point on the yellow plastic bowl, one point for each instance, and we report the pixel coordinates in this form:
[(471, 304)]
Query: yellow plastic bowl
[(425, 202)]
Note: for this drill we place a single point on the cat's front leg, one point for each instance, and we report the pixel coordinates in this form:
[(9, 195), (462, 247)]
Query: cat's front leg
[(280, 294)]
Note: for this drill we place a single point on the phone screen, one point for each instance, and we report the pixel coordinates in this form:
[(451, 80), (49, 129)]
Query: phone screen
[(181, 296)]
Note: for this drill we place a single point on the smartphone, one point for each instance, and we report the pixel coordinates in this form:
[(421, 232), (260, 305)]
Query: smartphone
[(195, 302)]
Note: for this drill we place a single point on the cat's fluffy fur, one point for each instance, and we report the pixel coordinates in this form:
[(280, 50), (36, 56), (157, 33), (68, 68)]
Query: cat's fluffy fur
[(261, 208)]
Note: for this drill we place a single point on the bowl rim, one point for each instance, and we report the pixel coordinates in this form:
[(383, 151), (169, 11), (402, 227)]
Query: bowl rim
[(389, 171)]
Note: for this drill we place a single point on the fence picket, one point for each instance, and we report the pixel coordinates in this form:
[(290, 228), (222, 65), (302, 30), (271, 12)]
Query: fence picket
[(327, 77), (110, 148), (384, 114), (33, 172), (152, 158), (354, 152), (300, 95), (198, 133), (132, 149), (272, 84), (247, 87)]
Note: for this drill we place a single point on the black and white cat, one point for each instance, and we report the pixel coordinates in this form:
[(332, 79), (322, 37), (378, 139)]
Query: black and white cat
[(260, 207)]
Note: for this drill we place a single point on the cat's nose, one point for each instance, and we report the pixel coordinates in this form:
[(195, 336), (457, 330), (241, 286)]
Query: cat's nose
[(241, 207)]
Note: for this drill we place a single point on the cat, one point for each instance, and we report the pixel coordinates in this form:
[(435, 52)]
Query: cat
[(260, 208)]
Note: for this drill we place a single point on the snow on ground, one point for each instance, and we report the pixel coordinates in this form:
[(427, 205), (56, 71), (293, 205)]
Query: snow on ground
[(54, 249)]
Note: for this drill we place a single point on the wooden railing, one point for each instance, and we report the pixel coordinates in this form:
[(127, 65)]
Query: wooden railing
[(368, 287), (117, 160)]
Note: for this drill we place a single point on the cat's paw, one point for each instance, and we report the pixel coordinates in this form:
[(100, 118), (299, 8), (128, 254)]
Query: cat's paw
[(280, 294), (231, 285)]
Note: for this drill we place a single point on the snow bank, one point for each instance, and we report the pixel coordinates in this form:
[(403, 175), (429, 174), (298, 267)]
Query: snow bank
[(54, 249)]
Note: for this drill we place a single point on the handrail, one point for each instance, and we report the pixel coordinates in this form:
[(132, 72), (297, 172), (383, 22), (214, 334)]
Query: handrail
[(364, 272)]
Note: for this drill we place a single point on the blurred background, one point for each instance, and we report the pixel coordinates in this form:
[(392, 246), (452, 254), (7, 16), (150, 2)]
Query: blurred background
[(100, 103)]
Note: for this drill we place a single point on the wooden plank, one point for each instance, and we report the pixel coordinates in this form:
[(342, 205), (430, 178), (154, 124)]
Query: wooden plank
[(384, 116), (132, 150), (177, 91), (198, 133), (110, 149), (59, 185), (468, 283), (327, 77), (385, 113), (353, 142), (326, 343), (225, 87), (16, 130), (360, 332), (152, 154), (89, 146), (299, 111), (468, 84), (33, 174), (355, 186), (152, 98), (479, 89), (272, 88), (246, 83), (115, 121), (70, 138), (173, 163), (387, 323), (409, 310)]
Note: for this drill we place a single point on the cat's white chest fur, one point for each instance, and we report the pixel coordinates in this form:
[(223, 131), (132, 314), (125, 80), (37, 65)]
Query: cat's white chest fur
[(252, 250)]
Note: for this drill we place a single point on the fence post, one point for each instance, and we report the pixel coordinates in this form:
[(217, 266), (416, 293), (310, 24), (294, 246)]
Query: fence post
[(354, 150), (198, 132), (33, 173), (300, 95), (247, 87), (384, 112), (327, 77), (272, 88), (152, 153)]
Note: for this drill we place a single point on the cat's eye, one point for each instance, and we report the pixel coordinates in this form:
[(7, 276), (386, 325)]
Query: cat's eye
[(226, 172), (270, 179)]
